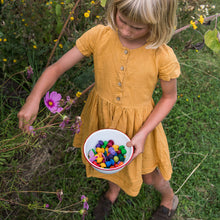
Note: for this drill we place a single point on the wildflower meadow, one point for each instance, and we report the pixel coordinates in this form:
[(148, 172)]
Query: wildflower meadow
[(41, 172)]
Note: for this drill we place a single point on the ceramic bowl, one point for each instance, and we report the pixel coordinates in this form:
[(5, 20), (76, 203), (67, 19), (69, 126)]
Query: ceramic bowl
[(118, 137)]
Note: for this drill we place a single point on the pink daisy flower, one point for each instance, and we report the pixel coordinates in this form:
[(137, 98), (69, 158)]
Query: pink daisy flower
[(52, 101)]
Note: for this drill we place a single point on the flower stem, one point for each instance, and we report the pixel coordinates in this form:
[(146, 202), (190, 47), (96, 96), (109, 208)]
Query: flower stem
[(72, 101), (61, 33), (45, 209), (196, 22)]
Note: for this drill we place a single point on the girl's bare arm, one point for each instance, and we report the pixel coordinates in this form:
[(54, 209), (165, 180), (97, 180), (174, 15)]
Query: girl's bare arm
[(162, 108), (28, 112)]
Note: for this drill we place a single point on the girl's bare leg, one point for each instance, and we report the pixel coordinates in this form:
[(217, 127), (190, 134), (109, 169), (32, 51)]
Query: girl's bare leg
[(112, 192), (104, 206), (156, 179)]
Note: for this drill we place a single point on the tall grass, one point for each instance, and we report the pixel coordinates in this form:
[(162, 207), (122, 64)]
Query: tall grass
[(33, 168)]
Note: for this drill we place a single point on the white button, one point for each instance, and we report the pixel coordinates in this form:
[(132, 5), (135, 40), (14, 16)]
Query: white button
[(118, 98), (122, 68), (126, 52), (119, 84)]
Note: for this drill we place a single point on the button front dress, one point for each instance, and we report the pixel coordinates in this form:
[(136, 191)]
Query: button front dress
[(122, 99)]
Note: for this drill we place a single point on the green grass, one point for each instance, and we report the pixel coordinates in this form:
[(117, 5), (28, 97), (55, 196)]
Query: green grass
[(48, 164)]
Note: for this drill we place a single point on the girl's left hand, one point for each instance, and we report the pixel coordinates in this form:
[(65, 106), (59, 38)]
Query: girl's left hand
[(138, 143)]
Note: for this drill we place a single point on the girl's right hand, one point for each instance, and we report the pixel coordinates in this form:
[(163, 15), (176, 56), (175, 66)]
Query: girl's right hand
[(28, 112), (27, 115)]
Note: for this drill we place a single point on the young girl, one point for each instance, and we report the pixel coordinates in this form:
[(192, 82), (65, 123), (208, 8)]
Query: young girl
[(130, 54)]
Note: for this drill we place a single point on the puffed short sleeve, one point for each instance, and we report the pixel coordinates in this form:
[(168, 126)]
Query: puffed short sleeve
[(168, 65), (86, 43)]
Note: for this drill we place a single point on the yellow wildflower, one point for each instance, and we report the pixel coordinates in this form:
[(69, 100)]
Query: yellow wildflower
[(92, 2), (78, 94), (0, 40), (23, 20), (71, 18), (2, 2), (187, 100), (97, 16), (62, 3), (14, 61), (5, 40), (61, 46), (86, 14), (201, 19), (193, 25), (55, 40), (35, 47), (4, 60)]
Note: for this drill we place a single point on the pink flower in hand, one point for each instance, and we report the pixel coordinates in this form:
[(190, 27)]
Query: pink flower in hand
[(65, 121), (52, 101)]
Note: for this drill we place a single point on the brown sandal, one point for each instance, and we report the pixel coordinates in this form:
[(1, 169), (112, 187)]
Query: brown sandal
[(103, 209), (163, 213)]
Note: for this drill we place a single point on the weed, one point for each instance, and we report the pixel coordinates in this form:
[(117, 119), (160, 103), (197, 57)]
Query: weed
[(35, 170)]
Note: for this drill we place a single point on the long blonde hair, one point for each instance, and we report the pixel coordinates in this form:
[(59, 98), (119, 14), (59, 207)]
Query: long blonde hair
[(160, 15)]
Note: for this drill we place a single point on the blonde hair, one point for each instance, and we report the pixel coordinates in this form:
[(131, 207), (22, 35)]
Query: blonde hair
[(160, 15)]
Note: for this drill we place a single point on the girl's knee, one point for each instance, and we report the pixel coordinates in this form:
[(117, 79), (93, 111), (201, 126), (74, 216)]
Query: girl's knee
[(148, 178), (151, 178)]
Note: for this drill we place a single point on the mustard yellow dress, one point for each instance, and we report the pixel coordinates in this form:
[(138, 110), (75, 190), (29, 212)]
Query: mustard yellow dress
[(121, 99)]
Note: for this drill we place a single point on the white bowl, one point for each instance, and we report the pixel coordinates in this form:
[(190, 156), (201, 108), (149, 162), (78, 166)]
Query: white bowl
[(118, 137)]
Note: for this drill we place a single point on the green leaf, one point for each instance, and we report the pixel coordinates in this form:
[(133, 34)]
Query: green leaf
[(59, 26), (58, 10), (211, 40), (103, 3)]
